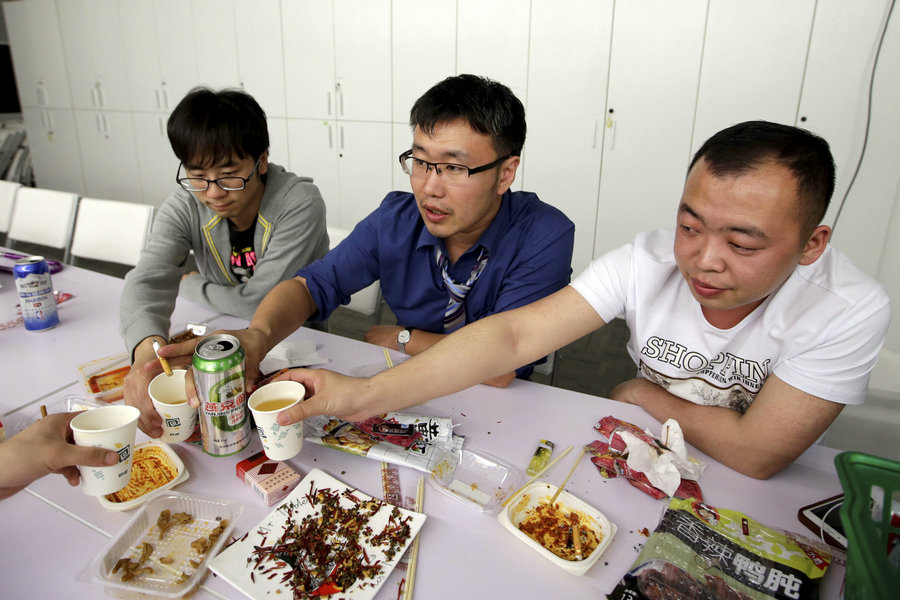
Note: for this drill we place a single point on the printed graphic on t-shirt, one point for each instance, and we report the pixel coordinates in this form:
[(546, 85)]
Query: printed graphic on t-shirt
[(722, 380), (243, 262)]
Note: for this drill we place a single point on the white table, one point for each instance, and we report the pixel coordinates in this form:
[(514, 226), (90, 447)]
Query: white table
[(463, 552)]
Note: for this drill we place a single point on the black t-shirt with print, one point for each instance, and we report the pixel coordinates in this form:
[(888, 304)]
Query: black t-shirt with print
[(243, 256)]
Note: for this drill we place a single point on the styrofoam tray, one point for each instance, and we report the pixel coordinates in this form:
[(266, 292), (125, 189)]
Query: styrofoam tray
[(517, 509), (478, 480), (181, 476)]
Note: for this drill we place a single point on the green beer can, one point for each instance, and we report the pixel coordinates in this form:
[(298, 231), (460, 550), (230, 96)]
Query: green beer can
[(219, 377)]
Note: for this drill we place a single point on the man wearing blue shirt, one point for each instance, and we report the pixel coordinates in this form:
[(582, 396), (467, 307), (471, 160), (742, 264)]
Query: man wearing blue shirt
[(459, 248)]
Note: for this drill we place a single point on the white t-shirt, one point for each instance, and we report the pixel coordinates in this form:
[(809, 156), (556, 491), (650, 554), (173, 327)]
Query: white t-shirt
[(820, 332)]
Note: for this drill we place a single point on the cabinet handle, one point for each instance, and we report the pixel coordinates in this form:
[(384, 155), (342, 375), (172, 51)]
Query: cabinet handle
[(594, 136), (611, 126), (105, 124), (162, 127), (341, 101), (342, 138), (49, 120), (100, 95), (42, 96), (330, 140), (158, 100), (328, 102), (99, 125), (44, 119), (165, 96)]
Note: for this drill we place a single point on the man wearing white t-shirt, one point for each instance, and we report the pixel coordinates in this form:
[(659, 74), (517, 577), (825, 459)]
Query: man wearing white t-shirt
[(748, 328)]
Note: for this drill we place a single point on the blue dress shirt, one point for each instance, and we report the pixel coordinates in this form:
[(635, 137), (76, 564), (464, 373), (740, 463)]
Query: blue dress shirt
[(530, 245)]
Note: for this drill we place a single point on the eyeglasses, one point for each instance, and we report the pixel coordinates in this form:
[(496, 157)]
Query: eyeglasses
[(232, 183), (416, 167)]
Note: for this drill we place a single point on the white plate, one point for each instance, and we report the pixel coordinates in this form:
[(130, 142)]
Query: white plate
[(237, 562)]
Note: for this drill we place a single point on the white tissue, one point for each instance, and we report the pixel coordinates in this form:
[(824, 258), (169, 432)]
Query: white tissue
[(291, 353), (664, 469)]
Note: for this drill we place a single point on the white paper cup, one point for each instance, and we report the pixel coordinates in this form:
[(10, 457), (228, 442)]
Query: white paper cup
[(113, 428), (179, 418), (280, 442)]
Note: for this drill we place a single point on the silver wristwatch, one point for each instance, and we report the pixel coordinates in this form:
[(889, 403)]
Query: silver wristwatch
[(403, 338)]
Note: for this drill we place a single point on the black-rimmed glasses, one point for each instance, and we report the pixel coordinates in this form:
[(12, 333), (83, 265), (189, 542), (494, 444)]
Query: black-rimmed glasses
[(416, 167), (232, 183)]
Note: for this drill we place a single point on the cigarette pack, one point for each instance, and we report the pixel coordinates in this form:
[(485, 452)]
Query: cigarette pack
[(269, 479)]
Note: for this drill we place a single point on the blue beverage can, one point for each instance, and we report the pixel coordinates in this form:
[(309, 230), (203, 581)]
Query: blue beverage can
[(32, 275)]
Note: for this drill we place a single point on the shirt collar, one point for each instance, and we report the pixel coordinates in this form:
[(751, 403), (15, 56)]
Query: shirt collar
[(489, 238)]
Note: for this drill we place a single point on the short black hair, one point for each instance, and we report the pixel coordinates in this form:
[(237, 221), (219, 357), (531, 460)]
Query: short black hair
[(489, 107), (741, 148), (209, 126)]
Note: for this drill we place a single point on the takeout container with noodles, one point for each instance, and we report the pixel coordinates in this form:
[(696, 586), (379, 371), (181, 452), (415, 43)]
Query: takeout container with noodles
[(527, 506), (156, 466)]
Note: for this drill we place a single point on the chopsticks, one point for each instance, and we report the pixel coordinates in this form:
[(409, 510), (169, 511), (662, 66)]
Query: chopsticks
[(414, 556), (162, 361), (538, 474), (43, 411), (566, 480), (387, 358)]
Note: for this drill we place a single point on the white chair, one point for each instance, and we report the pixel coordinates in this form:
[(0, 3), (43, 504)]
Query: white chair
[(43, 217), (111, 231), (548, 367), (367, 300), (8, 191)]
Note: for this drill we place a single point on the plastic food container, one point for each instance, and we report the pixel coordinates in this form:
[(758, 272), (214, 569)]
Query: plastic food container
[(171, 557), (149, 459), (479, 480), (104, 378), (517, 510)]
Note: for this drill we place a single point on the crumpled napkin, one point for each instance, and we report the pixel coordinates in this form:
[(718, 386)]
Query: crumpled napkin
[(291, 353), (664, 468)]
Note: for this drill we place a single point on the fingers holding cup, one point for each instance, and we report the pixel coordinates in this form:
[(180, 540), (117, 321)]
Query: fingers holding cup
[(179, 418), (280, 442)]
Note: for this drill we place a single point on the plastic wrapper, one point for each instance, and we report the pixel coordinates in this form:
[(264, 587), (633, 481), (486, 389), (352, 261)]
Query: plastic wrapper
[(699, 552), (658, 467), (433, 452)]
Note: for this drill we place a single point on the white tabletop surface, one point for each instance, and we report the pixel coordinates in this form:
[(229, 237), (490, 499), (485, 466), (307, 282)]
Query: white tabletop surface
[(463, 553)]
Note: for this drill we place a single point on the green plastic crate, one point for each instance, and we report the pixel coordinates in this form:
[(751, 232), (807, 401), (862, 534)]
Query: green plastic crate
[(871, 485)]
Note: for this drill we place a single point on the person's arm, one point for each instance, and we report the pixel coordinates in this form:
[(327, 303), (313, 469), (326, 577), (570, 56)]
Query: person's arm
[(144, 368), (298, 238), (781, 423), (475, 353), (45, 447)]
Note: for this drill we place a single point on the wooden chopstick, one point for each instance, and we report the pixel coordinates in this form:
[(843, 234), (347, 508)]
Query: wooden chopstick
[(43, 411), (566, 480), (162, 361), (387, 357), (536, 475), (414, 557)]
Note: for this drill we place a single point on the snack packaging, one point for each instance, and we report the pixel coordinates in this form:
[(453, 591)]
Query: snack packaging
[(269, 479), (699, 551), (658, 467), (400, 434), (432, 451)]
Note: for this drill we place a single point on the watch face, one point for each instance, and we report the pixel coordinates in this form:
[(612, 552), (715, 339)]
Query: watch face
[(403, 337)]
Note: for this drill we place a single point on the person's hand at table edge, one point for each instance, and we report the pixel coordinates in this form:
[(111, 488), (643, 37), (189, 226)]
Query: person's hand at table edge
[(143, 369), (45, 447)]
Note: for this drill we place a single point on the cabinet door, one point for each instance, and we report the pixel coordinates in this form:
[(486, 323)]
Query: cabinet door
[(568, 67), (108, 155), (94, 54), (364, 166), (54, 149), (259, 53), (362, 59), (278, 142), (838, 70), (156, 160), (214, 43), (421, 56), (654, 69), (753, 60), (402, 141), (492, 40), (37, 53), (137, 22), (308, 36), (175, 39), (312, 144)]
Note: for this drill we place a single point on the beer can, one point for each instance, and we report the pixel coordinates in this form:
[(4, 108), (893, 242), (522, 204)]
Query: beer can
[(32, 275), (219, 377)]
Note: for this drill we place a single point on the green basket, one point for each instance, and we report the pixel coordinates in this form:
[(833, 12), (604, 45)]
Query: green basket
[(871, 485)]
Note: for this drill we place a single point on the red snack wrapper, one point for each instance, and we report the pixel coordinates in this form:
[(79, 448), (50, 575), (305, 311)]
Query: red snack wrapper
[(390, 431)]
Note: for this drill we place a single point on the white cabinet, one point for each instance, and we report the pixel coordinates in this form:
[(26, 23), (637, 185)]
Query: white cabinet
[(54, 149), (260, 59), (313, 151), (213, 32), (37, 53), (654, 69), (492, 40), (94, 54), (108, 155), (157, 163), (564, 146), (307, 31), (753, 60), (838, 70), (422, 56)]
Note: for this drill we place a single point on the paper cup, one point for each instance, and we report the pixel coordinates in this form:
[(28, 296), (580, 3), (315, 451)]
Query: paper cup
[(170, 400), (279, 442), (113, 428)]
